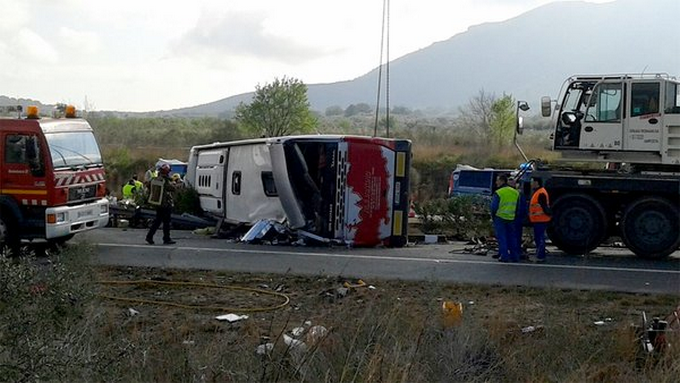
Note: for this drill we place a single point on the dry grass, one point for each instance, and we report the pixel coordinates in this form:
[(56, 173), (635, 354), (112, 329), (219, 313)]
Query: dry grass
[(392, 333)]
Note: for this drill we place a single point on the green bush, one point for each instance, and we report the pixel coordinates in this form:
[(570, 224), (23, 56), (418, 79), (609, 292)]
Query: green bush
[(460, 217), (42, 304)]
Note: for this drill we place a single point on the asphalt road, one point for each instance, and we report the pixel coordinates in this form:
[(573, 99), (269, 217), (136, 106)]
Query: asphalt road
[(611, 269)]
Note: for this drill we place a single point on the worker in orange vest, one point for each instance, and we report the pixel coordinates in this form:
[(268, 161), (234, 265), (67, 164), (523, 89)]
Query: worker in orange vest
[(539, 215)]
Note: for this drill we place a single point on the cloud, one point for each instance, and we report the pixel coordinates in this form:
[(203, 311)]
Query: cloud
[(34, 47), (13, 15), (81, 41), (248, 35)]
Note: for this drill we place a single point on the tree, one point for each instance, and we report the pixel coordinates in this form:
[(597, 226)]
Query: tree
[(277, 109), (502, 121), (491, 119)]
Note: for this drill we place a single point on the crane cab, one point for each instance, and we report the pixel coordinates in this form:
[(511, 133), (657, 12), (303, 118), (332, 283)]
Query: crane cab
[(618, 118)]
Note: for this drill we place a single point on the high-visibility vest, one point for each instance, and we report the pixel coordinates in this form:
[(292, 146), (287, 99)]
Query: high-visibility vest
[(508, 203), (128, 190), (536, 213), (139, 187)]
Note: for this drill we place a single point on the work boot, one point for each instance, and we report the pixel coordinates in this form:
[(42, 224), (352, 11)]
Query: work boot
[(169, 242), (149, 241)]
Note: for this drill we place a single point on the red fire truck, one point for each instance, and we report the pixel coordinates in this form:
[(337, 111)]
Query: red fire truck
[(52, 182)]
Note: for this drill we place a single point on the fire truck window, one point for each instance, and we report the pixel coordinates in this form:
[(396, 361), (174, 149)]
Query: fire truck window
[(15, 149)]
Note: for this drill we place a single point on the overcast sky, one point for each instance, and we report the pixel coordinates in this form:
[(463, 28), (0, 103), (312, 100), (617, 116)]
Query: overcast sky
[(143, 55)]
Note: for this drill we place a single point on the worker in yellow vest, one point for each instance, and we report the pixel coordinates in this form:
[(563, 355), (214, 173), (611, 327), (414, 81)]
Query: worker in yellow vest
[(129, 189), (503, 209), (139, 186), (539, 215)]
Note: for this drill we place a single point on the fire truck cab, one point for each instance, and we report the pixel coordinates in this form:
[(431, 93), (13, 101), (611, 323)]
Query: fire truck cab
[(52, 182)]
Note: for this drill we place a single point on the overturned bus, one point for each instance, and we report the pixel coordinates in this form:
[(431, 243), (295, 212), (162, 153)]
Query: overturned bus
[(348, 188)]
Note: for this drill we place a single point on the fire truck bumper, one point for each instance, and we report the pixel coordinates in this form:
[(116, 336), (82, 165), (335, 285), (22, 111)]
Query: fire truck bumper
[(66, 220)]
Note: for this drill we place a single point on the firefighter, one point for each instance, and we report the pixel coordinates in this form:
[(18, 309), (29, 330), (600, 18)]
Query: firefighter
[(150, 174), (129, 189), (139, 186), (161, 190), (539, 215), (503, 209)]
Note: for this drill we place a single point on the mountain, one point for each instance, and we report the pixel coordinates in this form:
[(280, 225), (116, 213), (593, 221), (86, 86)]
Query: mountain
[(528, 56)]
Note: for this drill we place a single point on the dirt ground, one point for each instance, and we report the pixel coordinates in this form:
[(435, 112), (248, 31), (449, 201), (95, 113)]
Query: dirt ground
[(291, 300)]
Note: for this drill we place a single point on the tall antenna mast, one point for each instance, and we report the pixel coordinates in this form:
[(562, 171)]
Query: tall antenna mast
[(384, 40)]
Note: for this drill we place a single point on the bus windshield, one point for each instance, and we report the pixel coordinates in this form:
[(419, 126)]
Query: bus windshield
[(73, 149)]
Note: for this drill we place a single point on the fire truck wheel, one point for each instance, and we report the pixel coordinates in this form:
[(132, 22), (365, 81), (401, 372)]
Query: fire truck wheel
[(578, 224), (651, 227)]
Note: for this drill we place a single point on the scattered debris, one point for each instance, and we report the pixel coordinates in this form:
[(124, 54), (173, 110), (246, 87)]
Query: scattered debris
[(210, 230), (478, 247), (452, 313), (132, 312), (297, 331), (316, 334), (231, 318), (652, 335), (265, 230), (264, 349), (294, 345), (353, 285), (530, 329)]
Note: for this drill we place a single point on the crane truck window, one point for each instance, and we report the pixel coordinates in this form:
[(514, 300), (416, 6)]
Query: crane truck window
[(605, 103), (672, 104), (644, 99)]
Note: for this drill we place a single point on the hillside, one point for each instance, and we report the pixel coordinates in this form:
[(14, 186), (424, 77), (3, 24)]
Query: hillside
[(528, 56)]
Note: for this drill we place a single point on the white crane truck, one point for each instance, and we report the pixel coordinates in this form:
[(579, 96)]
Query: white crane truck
[(632, 124)]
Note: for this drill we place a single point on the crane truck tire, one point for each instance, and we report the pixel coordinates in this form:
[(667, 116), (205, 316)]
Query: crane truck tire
[(650, 227), (578, 224)]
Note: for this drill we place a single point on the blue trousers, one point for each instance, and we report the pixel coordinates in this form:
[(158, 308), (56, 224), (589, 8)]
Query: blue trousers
[(519, 228), (539, 237), (505, 234)]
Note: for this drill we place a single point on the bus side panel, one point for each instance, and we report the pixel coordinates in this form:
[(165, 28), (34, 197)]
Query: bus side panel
[(246, 196), (370, 189)]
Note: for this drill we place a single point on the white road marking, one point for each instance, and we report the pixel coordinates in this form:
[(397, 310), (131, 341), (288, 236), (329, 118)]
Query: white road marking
[(392, 258)]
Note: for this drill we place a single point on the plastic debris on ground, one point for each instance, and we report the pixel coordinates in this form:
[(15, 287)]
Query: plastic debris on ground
[(654, 335), (294, 344), (132, 312), (531, 329), (231, 318), (351, 285), (479, 247), (264, 349), (452, 313), (265, 230)]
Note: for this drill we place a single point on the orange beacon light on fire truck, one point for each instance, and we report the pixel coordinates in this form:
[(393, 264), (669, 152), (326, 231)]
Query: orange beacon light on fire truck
[(32, 112), (70, 111)]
